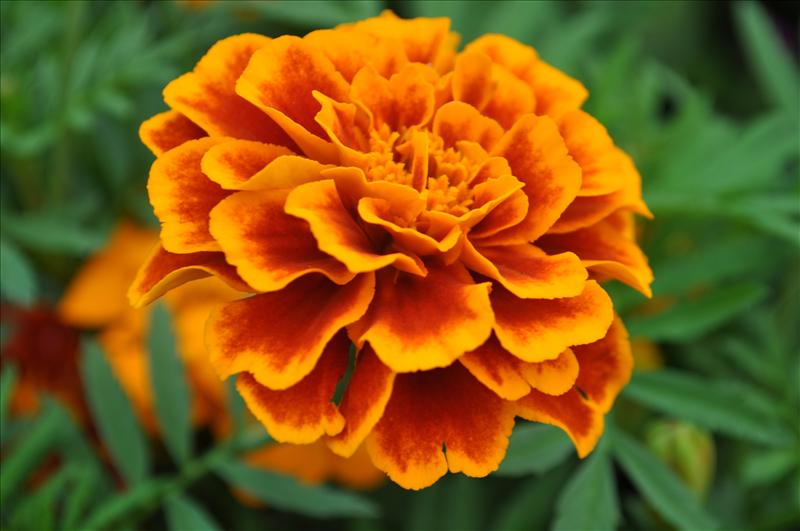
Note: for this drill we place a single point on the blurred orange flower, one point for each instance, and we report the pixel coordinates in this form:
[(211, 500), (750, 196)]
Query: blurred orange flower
[(449, 213)]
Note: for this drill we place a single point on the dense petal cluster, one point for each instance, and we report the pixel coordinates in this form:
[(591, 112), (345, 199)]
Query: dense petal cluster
[(448, 213)]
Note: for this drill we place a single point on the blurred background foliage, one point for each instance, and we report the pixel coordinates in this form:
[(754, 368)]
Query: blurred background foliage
[(703, 95)]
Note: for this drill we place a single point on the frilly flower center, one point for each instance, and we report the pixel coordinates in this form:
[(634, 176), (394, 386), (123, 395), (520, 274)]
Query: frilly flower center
[(418, 158)]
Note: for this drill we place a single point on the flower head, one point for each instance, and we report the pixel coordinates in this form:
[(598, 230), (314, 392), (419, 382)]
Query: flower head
[(449, 214)]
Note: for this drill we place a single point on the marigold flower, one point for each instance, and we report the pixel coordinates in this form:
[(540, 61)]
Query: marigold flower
[(450, 214)]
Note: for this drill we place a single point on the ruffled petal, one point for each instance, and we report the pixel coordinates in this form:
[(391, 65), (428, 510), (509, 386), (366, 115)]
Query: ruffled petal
[(350, 51), (207, 95), (511, 100), (413, 90), (456, 121), (472, 79), (163, 271), (570, 412), (553, 377), (270, 248), (605, 250), (606, 366), (527, 271), (233, 164), (538, 157), (591, 147), (556, 92), (497, 369), (168, 130), (435, 409), (305, 411), (337, 232), (278, 337), (539, 330), (420, 323), (363, 402), (182, 196)]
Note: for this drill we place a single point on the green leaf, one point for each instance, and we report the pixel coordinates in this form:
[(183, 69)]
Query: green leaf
[(17, 279), (769, 57), (8, 379), (688, 321), (769, 467), (37, 510), (531, 504), (82, 495), (284, 492), (535, 448), (464, 503), (30, 450), (114, 415), (53, 234), (109, 514), (183, 514), (168, 376), (659, 485), (589, 501), (735, 410)]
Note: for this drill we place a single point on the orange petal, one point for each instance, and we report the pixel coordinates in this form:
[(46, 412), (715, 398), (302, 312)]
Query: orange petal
[(278, 337), (605, 250), (472, 79), (424, 40), (556, 92), (96, 294), (182, 196), (374, 92), (507, 214), (456, 121), (282, 76), (591, 147), (167, 130), (435, 409), (413, 91), (553, 377), (346, 124), (488, 195), (379, 212), (419, 323), (270, 248), (606, 366), (527, 271), (511, 100), (363, 402), (516, 57), (570, 412), (539, 330), (497, 369), (234, 163), (164, 271), (350, 51), (207, 95), (538, 157), (337, 232), (305, 411)]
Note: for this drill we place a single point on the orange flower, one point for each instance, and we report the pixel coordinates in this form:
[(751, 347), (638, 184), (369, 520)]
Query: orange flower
[(448, 213)]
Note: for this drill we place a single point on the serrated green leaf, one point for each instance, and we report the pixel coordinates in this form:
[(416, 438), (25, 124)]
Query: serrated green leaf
[(533, 449), (113, 415), (531, 504), (171, 390), (284, 492), (8, 379), (30, 450), (183, 514), (17, 278), (659, 485), (589, 500), (690, 320), (736, 410), (768, 55)]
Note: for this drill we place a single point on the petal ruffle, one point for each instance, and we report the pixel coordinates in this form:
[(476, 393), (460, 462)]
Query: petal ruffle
[(539, 330), (591, 147), (527, 271), (363, 402), (435, 409), (338, 233), (350, 51), (207, 95), (270, 248), (606, 366), (570, 412), (278, 337), (497, 369), (305, 411), (235, 164), (168, 130), (420, 323), (456, 121), (538, 157), (164, 271), (182, 196)]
